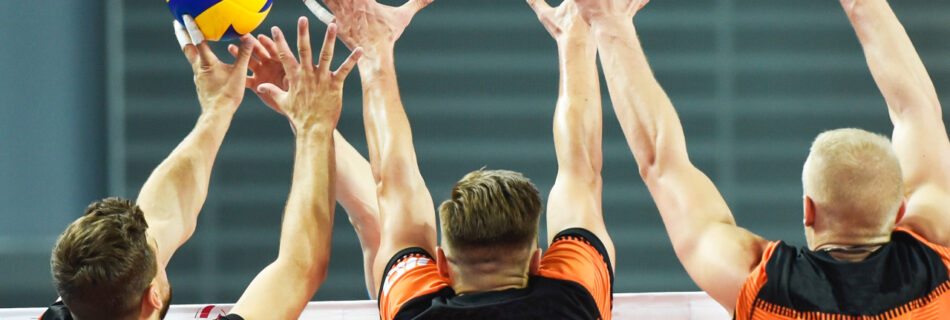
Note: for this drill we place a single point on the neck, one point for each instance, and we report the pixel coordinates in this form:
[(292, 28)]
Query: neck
[(475, 281)]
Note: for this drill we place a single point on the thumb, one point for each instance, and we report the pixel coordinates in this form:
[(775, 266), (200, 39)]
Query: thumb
[(244, 56), (540, 7), (415, 5), (269, 91)]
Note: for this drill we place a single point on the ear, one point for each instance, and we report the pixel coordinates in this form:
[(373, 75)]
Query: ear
[(151, 300), (442, 263), (535, 262), (809, 205), (901, 211)]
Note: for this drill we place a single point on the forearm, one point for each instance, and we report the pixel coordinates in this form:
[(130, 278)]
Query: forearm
[(654, 133), (308, 216), (894, 63), (404, 203), (646, 115), (355, 190), (174, 193), (578, 116)]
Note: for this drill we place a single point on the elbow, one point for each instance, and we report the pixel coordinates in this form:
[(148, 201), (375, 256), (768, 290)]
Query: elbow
[(313, 272)]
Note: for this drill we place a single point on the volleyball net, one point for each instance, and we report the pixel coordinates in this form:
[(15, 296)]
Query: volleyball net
[(667, 305)]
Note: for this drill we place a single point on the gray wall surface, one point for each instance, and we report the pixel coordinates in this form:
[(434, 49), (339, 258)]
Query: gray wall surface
[(753, 81), (52, 110)]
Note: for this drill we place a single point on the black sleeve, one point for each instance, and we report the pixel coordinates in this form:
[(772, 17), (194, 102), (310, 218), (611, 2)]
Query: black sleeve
[(231, 317), (57, 311)]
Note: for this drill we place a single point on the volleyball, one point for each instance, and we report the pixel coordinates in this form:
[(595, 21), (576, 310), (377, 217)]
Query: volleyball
[(222, 19)]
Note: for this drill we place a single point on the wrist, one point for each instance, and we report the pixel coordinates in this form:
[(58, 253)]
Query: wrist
[(571, 47), (375, 57), (216, 116), (605, 23), (315, 130)]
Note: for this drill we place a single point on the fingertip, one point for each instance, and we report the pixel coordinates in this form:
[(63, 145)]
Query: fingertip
[(331, 28), (275, 32)]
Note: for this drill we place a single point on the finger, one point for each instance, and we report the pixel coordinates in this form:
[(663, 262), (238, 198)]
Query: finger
[(415, 5), (322, 13), (348, 65), (303, 42), (260, 52), (283, 51), (184, 41), (326, 53), (193, 30), (268, 45), (540, 7), (244, 55), (198, 39), (233, 50), (271, 92)]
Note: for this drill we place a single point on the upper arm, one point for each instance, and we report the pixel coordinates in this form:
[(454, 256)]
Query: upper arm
[(575, 202), (920, 141), (717, 254), (280, 291)]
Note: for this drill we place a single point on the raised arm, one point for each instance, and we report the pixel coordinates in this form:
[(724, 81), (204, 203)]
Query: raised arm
[(175, 191), (920, 138), (575, 199), (353, 182), (312, 103), (716, 253), (406, 212)]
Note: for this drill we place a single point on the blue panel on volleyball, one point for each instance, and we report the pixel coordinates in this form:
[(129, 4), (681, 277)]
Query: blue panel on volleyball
[(190, 7), (230, 34), (267, 5)]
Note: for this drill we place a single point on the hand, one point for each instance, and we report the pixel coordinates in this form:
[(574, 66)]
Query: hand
[(314, 94), (220, 85), (564, 23), (366, 23), (594, 11), (266, 68)]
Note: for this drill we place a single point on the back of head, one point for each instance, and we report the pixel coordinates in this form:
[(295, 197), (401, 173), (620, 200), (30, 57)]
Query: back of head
[(491, 212), (854, 178), (102, 264)]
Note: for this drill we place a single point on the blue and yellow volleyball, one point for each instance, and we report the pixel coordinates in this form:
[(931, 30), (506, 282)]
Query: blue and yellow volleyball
[(222, 19)]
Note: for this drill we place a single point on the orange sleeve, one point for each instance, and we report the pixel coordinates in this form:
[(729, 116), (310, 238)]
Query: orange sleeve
[(411, 273), (577, 255), (755, 281), (944, 252)]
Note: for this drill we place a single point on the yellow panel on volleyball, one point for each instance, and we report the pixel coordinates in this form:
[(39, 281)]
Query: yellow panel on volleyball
[(244, 15)]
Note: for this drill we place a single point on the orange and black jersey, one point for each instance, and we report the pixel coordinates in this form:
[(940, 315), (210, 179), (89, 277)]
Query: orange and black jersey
[(904, 279), (575, 281)]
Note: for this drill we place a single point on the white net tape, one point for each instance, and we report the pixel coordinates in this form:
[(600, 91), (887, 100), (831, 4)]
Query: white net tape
[(668, 306)]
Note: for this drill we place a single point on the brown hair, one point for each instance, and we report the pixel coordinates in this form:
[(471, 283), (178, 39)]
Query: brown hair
[(102, 264), (491, 209)]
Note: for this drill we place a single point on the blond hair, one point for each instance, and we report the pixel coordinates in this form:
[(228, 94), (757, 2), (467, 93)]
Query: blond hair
[(856, 177), (490, 210)]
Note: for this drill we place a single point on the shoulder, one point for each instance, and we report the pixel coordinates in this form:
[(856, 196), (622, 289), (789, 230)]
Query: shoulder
[(410, 281), (57, 311)]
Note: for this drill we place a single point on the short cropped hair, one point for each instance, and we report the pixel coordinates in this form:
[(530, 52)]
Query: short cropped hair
[(491, 209), (102, 264), (857, 175)]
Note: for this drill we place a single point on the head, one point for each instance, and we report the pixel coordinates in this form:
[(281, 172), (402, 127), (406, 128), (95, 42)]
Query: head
[(853, 189), (490, 228), (104, 265)]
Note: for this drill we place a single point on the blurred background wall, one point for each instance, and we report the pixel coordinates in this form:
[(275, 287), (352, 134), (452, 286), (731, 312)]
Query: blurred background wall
[(88, 111)]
